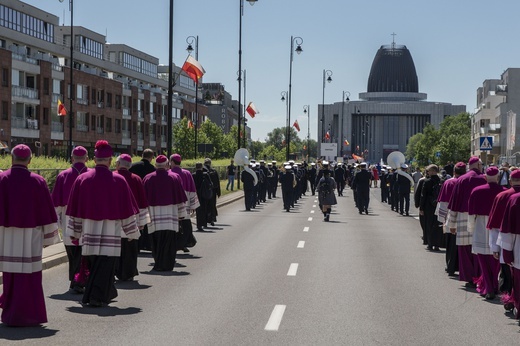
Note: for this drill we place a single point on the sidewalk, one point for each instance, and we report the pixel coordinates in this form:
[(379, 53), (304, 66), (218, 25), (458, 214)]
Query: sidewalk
[(55, 254)]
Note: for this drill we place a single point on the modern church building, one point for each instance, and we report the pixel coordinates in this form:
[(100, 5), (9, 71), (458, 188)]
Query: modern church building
[(387, 115)]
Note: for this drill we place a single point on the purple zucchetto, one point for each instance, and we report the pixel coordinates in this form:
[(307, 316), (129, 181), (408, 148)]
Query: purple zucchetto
[(515, 174), (473, 159), (492, 171), (103, 150), (460, 164), (79, 151), (125, 157), (21, 151), (176, 158), (161, 159)]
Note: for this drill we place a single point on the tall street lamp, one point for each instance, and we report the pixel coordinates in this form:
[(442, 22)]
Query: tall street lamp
[(190, 40), (171, 81), (298, 50), (71, 90), (327, 76), (240, 14), (307, 110), (346, 97), (285, 98)]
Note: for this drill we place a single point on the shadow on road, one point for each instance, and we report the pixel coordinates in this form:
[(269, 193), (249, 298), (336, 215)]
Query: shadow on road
[(26, 333), (66, 296), (131, 285), (172, 273), (106, 311), (187, 256)]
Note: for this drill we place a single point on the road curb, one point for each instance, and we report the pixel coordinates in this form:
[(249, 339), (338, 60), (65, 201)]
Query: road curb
[(61, 257)]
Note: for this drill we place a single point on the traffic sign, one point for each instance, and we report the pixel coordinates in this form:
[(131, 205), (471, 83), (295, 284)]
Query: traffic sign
[(486, 143)]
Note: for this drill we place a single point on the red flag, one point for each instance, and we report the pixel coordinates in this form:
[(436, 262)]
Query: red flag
[(296, 125), (346, 142), (304, 147), (62, 111), (190, 124), (251, 110), (241, 134), (327, 135), (357, 158), (193, 69)]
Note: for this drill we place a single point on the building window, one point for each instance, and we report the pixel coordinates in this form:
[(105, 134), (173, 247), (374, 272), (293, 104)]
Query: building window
[(46, 86), (5, 77), (109, 100), (93, 123), (5, 110), (118, 126), (118, 101), (45, 116), (108, 124)]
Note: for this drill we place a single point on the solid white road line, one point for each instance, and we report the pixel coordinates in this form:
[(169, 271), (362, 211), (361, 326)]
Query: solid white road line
[(276, 318), (306, 229), (293, 268), (309, 219), (301, 244), (312, 211)]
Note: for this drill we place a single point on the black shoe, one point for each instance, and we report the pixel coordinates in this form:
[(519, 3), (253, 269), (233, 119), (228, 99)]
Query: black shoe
[(212, 224), (490, 296), (436, 248), (366, 211), (287, 209), (451, 274), (429, 248), (360, 212), (248, 209), (470, 285), (509, 306), (407, 214), (200, 230), (95, 303), (186, 249)]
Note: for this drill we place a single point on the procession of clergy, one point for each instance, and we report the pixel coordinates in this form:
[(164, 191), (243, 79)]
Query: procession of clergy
[(103, 216)]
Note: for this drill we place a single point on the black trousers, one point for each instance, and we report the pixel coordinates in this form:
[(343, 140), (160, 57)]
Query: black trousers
[(100, 285), (362, 200), (452, 254), (126, 266), (201, 211), (74, 257), (404, 202), (164, 250), (248, 198)]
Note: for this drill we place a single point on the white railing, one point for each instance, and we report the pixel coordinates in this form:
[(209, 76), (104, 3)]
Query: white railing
[(140, 114), (100, 130), (25, 58), (56, 126), (152, 118), (82, 101), (126, 112), (19, 91)]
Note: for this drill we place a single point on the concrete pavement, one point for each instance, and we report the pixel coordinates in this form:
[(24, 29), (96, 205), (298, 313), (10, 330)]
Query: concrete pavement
[(55, 254)]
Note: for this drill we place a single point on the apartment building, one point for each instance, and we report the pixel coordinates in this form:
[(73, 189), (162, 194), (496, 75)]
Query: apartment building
[(118, 93)]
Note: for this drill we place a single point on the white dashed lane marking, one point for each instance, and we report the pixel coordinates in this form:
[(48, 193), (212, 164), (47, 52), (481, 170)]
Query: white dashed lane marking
[(306, 229), (301, 244), (293, 268), (309, 219), (276, 318)]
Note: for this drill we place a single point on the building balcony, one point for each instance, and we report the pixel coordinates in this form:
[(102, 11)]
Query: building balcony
[(152, 137), (140, 136), (22, 127), (82, 101), (125, 134), (164, 120), (100, 130), (140, 115), (127, 114), (152, 118), (25, 58), (23, 92), (101, 105), (56, 126)]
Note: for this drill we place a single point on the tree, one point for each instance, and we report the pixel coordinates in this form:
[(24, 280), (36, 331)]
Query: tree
[(213, 135), (184, 139)]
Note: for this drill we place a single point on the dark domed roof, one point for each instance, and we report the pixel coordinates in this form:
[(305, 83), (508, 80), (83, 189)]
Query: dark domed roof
[(393, 70)]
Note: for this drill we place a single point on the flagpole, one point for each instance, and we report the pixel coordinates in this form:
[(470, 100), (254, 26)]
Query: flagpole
[(347, 94), (171, 83), (307, 109), (298, 50), (190, 40)]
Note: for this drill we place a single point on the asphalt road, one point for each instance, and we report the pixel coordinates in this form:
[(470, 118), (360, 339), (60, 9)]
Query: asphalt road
[(269, 277)]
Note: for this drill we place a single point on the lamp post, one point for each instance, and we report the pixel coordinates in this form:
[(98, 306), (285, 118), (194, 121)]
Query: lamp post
[(190, 40), (244, 109), (240, 14), (171, 81), (327, 76), (307, 110), (71, 91), (346, 97), (298, 50)]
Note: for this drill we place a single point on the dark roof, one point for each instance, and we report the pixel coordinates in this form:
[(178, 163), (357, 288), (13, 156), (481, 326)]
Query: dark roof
[(393, 70)]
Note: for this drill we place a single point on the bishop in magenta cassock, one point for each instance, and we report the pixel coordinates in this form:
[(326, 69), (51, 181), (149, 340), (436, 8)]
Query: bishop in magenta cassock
[(126, 268), (101, 206), (458, 220), (494, 223), (28, 222), (188, 184), (166, 199), (60, 197), (479, 206)]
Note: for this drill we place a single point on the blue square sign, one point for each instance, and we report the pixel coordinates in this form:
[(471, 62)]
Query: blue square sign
[(486, 143)]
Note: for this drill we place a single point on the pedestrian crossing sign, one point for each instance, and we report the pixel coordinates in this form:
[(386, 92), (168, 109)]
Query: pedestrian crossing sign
[(486, 143)]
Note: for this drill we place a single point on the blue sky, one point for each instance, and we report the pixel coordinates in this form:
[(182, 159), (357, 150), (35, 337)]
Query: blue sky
[(455, 45)]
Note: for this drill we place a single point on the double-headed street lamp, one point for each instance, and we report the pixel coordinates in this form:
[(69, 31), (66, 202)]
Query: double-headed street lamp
[(346, 97), (190, 40), (307, 110), (71, 90), (327, 77), (298, 50)]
